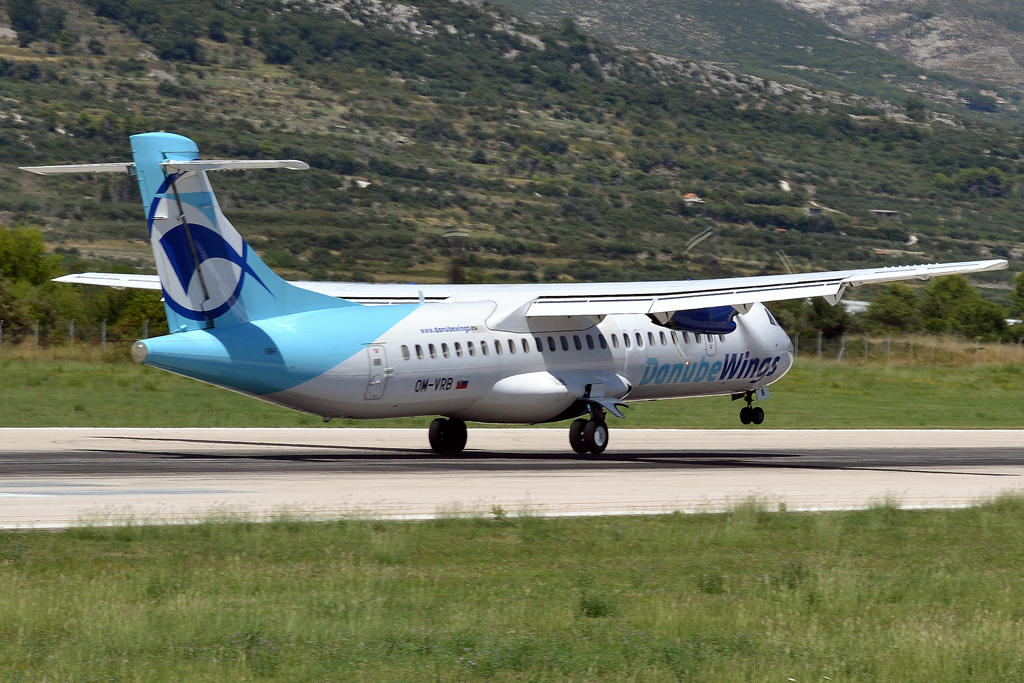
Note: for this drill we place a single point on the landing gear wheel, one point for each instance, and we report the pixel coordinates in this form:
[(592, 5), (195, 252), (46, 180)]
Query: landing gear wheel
[(447, 436), (745, 416), (757, 415), (595, 436), (437, 435), (455, 436), (576, 436)]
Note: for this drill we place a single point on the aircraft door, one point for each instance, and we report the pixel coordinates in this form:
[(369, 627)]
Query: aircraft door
[(379, 371)]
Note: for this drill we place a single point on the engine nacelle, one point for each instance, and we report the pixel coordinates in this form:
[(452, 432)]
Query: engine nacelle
[(715, 320)]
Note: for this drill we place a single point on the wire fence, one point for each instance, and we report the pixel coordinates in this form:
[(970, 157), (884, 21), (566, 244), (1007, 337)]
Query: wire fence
[(97, 334), (909, 349)]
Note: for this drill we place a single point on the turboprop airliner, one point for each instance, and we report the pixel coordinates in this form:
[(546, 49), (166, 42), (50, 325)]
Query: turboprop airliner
[(529, 353)]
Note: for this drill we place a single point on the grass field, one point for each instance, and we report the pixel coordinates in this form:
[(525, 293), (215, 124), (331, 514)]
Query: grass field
[(84, 388), (753, 595)]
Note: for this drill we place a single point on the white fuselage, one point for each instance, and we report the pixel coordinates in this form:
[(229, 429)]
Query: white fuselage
[(444, 359)]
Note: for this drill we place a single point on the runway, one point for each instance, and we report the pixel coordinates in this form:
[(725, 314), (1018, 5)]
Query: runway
[(51, 478)]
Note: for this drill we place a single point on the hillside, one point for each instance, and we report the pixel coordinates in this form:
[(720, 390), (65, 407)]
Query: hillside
[(560, 156), (760, 37), (977, 40)]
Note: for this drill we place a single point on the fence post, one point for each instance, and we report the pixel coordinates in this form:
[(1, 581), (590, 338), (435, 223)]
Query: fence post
[(796, 345), (103, 335), (888, 347), (819, 343), (145, 328), (911, 347), (1019, 350), (71, 331), (842, 348), (35, 331), (977, 348), (866, 344), (935, 348)]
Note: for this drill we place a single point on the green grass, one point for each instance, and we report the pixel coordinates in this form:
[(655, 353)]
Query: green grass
[(752, 595), (815, 395)]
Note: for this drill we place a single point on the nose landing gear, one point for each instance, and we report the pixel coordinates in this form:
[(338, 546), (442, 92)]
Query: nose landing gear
[(447, 436), (750, 414), (589, 436)]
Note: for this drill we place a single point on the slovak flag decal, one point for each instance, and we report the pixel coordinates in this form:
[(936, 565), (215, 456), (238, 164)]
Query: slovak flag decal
[(462, 384)]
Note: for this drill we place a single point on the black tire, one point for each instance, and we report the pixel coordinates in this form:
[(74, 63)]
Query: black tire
[(576, 436), (595, 436), (757, 415), (745, 416), (438, 435), (455, 436)]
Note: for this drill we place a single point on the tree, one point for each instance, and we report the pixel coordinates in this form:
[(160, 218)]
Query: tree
[(951, 305), (25, 16), (896, 308), (1017, 298)]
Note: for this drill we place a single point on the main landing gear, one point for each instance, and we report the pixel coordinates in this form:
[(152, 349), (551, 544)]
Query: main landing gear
[(447, 435), (589, 436), (750, 414)]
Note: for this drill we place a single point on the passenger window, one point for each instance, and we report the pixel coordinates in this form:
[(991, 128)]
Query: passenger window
[(551, 343), (511, 346), (615, 340), (405, 352), (470, 349), (458, 349), (540, 345), (662, 336), (444, 350), (483, 348), (526, 346), (675, 339), (639, 340), (696, 337), (721, 337), (419, 352), (650, 338), (433, 351), (602, 342), (497, 346), (577, 342), (686, 337), (565, 343), (625, 340), (590, 342)]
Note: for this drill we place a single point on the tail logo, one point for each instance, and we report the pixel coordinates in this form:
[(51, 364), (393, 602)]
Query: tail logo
[(202, 277)]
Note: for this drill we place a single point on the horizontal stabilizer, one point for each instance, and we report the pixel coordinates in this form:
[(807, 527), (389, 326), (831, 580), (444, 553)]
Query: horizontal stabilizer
[(115, 280), (118, 167), (233, 165), (173, 166)]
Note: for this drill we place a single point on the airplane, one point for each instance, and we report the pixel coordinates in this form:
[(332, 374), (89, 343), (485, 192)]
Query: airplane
[(513, 353)]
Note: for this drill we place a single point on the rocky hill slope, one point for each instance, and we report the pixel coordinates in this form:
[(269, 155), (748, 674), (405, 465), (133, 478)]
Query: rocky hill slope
[(977, 40)]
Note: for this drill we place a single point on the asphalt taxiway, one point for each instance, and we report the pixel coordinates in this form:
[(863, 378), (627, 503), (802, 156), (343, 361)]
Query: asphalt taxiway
[(56, 477)]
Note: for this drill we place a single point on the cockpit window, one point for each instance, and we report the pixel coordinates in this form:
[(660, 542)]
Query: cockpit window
[(771, 318)]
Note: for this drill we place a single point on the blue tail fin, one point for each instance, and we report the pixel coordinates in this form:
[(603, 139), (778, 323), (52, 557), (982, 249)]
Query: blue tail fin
[(210, 276)]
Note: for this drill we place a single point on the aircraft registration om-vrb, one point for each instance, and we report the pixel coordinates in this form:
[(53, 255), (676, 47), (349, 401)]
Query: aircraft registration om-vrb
[(487, 353)]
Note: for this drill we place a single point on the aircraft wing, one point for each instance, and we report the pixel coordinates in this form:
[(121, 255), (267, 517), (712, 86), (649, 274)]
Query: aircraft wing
[(609, 298)]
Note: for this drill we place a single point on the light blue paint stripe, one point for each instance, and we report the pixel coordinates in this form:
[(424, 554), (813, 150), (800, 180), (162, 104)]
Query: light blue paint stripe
[(276, 354)]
